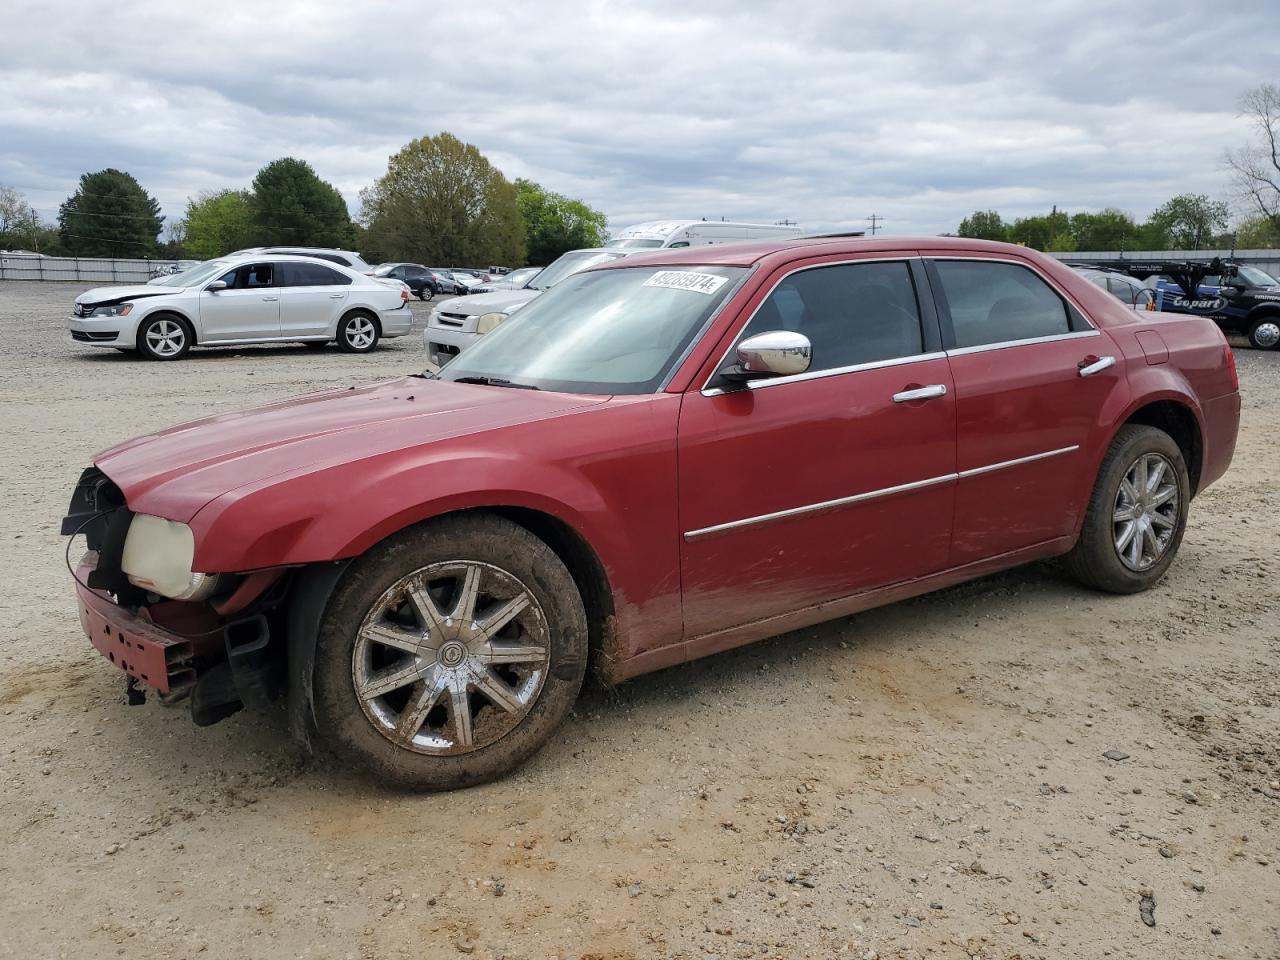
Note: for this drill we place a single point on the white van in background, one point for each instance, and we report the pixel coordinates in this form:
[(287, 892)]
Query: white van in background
[(692, 233)]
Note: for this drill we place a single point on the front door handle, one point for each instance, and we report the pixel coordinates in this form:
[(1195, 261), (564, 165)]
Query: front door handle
[(1091, 365), (269, 299), (930, 392)]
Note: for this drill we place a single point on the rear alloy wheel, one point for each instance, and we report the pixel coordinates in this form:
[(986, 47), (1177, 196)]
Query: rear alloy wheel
[(357, 333), (450, 653), (1264, 334), (424, 292), (164, 337), (1137, 513)]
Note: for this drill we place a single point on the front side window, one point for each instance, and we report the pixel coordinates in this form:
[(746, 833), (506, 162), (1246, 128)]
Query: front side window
[(602, 332), (852, 313), (994, 302), (250, 276)]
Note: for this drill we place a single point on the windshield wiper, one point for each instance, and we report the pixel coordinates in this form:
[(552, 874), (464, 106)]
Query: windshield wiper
[(496, 382)]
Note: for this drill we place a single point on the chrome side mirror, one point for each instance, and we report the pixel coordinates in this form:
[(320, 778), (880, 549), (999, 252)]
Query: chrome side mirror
[(775, 353), (216, 286)]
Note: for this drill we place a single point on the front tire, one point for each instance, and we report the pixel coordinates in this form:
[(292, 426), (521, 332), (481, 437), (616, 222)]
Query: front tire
[(358, 332), (164, 336), (449, 654), (1137, 513), (1264, 333)]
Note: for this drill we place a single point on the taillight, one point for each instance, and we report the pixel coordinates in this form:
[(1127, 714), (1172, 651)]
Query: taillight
[(404, 295), (1231, 366)]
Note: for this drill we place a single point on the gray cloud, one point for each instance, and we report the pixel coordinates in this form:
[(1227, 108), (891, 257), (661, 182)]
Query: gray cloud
[(821, 111)]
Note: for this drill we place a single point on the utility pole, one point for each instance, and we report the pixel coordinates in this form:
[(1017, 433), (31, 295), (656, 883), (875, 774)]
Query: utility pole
[(874, 218)]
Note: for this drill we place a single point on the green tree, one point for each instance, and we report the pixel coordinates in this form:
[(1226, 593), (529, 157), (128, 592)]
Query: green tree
[(1109, 229), (293, 206), (984, 225), (1039, 232), (554, 223), (109, 215), (441, 201), (219, 222), (1258, 233), (1190, 220)]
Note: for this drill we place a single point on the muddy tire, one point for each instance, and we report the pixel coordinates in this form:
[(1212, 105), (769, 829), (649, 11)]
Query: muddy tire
[(449, 653), (1136, 515)]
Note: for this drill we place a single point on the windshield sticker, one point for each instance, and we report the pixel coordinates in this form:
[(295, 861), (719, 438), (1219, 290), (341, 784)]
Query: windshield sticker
[(707, 283)]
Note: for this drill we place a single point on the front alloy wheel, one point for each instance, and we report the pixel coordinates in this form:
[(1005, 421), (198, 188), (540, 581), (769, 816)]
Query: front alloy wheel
[(164, 338), (449, 653), (451, 658)]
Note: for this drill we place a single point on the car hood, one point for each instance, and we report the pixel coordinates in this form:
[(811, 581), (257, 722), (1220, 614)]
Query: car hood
[(500, 301), (177, 471), (99, 296)]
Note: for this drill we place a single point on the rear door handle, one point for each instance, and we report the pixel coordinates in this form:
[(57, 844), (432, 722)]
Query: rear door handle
[(1091, 365), (921, 393), (336, 296), (269, 299)]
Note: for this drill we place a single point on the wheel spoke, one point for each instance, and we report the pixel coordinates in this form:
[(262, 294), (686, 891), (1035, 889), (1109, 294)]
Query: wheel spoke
[(1160, 518), (1128, 491), (1126, 535), (392, 678), (460, 713), (515, 653), (464, 607), (1150, 541), (1155, 476), (1135, 546), (1122, 514), (1139, 474), (492, 624), (1162, 497), (498, 693), (394, 637), (425, 608), (416, 710)]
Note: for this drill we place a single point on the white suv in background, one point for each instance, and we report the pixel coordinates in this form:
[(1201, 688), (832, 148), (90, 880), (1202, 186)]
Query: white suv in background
[(343, 258), (456, 324), (255, 298)]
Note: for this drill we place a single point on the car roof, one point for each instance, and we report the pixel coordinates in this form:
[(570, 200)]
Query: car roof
[(750, 252)]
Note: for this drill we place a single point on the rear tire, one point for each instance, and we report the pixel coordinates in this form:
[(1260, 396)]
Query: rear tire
[(424, 293), (165, 336), (408, 683), (358, 332), (1264, 334), (1137, 513)]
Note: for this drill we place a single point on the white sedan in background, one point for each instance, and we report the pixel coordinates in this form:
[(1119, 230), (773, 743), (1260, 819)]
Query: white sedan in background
[(254, 298)]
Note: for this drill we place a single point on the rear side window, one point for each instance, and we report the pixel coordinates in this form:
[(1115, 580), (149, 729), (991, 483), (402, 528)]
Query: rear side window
[(996, 302), (1125, 291), (852, 313), (310, 275)]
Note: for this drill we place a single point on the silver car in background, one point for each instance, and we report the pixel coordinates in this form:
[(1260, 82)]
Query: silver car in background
[(456, 324), (254, 298)]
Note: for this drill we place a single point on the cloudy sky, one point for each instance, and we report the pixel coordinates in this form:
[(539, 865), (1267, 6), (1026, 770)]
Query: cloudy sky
[(821, 111)]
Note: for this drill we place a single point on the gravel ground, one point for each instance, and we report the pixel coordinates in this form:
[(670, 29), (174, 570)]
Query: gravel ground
[(928, 779)]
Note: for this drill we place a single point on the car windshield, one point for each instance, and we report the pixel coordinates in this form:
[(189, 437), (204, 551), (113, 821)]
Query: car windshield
[(636, 244), (1256, 278), (196, 275), (602, 332), (568, 265)]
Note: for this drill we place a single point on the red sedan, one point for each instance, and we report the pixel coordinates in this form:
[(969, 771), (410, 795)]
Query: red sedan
[(654, 461)]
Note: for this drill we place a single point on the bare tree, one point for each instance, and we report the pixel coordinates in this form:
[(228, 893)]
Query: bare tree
[(1256, 165)]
